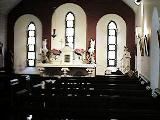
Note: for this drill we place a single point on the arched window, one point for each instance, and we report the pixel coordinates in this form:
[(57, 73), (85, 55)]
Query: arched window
[(112, 44), (70, 30), (31, 44)]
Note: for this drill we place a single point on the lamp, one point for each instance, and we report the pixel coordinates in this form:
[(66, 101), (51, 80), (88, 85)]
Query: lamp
[(54, 33), (137, 2)]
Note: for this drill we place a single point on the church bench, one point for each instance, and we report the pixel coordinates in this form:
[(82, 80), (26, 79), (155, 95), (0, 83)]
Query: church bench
[(134, 102), (134, 114), (88, 98), (75, 105)]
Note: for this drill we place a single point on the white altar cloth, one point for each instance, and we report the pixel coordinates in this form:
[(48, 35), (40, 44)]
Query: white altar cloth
[(66, 65)]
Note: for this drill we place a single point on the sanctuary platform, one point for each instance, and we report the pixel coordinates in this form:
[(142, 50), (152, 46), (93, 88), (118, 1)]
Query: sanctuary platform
[(66, 70)]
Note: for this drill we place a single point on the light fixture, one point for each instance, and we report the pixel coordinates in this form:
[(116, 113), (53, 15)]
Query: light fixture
[(54, 33), (137, 2)]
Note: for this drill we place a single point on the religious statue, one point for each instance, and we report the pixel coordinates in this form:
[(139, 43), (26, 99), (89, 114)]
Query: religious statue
[(91, 51), (92, 46), (141, 44), (44, 52), (1, 55), (126, 61), (44, 58), (44, 46), (88, 59), (146, 45)]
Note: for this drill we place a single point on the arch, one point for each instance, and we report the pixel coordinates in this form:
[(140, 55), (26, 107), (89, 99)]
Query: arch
[(101, 32), (58, 23), (154, 52), (20, 41)]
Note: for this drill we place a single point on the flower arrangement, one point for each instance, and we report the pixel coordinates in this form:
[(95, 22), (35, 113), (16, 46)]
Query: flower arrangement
[(79, 51), (55, 51), (53, 54)]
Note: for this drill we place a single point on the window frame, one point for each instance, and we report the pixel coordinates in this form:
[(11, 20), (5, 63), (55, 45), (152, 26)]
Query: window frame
[(108, 44), (66, 41), (27, 45)]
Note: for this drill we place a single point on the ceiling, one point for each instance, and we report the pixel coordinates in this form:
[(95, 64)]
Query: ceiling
[(7, 5)]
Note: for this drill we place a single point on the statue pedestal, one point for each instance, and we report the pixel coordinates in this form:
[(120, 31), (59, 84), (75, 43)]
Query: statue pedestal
[(64, 70), (90, 72)]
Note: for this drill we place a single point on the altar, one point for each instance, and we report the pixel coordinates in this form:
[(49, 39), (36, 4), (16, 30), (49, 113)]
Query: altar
[(66, 70), (67, 61)]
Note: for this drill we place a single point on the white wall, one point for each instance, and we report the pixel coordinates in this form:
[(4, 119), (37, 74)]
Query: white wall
[(146, 26), (148, 66), (155, 51), (144, 20), (101, 42), (139, 24), (58, 23), (20, 41)]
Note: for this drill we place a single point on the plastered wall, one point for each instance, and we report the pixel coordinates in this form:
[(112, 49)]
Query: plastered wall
[(58, 23), (101, 42), (20, 41)]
